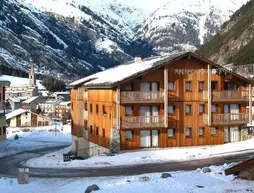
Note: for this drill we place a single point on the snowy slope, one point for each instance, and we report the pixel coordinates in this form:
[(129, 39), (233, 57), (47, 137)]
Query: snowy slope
[(60, 37), (185, 25)]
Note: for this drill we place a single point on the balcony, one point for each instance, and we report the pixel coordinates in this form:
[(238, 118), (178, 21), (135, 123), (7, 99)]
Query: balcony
[(142, 122), (227, 95), (142, 97), (227, 119)]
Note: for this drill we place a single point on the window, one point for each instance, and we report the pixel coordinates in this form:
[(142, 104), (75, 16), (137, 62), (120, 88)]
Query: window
[(91, 108), (86, 106), (104, 110), (171, 133), (188, 109), (103, 132), (97, 109), (214, 131), (171, 109), (85, 124), (128, 110), (201, 131), (71, 105), (171, 86), (201, 86), (201, 108), (214, 108), (25, 113), (214, 86), (188, 132), (129, 87), (128, 135), (91, 129), (188, 85), (97, 131)]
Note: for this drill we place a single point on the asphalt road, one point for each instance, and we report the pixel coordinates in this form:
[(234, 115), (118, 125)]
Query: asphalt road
[(9, 166)]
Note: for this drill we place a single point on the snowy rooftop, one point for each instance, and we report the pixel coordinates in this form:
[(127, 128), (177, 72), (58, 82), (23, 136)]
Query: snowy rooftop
[(65, 103), (14, 99), (30, 99), (124, 71), (15, 113)]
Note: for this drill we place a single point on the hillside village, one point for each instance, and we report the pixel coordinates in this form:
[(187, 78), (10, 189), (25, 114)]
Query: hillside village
[(120, 96)]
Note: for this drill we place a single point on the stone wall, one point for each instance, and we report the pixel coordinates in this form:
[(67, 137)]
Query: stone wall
[(115, 140)]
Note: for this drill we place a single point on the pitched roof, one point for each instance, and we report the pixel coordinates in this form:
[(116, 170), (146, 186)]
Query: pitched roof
[(30, 99), (116, 75), (123, 71), (15, 113)]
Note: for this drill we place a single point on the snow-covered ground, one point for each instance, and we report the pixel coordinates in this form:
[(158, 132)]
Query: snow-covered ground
[(54, 160), (180, 182), (34, 138)]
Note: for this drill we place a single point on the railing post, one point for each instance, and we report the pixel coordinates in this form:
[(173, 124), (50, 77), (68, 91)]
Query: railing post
[(209, 96), (166, 97), (118, 107), (250, 103)]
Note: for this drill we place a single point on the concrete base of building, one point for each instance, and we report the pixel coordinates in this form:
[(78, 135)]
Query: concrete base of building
[(83, 148)]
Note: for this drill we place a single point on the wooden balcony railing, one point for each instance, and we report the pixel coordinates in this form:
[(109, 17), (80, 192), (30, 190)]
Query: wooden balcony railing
[(230, 95), (227, 118), (227, 95), (138, 97), (142, 122)]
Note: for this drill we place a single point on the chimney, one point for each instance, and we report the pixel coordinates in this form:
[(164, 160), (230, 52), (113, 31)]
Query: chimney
[(137, 59)]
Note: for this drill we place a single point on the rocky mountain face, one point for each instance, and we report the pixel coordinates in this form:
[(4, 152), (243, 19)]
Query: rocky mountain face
[(79, 37), (185, 25), (61, 39), (234, 43)]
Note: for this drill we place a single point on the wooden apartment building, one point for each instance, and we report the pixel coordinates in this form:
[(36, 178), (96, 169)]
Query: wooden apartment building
[(176, 100)]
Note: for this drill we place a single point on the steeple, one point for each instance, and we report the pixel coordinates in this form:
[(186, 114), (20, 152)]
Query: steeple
[(32, 80)]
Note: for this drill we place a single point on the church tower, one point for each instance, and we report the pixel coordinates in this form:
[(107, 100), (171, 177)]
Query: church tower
[(32, 80)]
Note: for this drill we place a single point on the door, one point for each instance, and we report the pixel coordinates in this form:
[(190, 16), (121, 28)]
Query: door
[(155, 114), (234, 134), (145, 138), (234, 109), (226, 135), (145, 114), (155, 138)]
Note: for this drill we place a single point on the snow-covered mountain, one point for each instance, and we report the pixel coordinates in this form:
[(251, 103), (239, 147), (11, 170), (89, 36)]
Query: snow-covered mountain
[(60, 37), (185, 25)]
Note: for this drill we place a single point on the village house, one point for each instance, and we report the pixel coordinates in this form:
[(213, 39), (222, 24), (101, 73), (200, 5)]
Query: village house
[(3, 85), (31, 103), (48, 106), (25, 118), (63, 112), (167, 101)]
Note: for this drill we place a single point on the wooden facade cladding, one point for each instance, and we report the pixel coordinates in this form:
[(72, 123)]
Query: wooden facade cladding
[(101, 116)]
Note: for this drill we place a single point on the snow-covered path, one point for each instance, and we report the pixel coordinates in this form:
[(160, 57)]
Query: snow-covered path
[(35, 138)]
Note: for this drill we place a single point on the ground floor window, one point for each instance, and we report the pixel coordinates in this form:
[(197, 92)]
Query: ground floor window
[(214, 131), (171, 133), (188, 132), (128, 135), (201, 131)]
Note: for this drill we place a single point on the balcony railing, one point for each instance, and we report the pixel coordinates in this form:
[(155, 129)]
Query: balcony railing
[(227, 118), (138, 96), (142, 122), (228, 95)]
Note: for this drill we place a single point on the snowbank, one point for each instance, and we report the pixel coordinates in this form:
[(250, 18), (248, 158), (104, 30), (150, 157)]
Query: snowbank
[(180, 182), (54, 160)]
